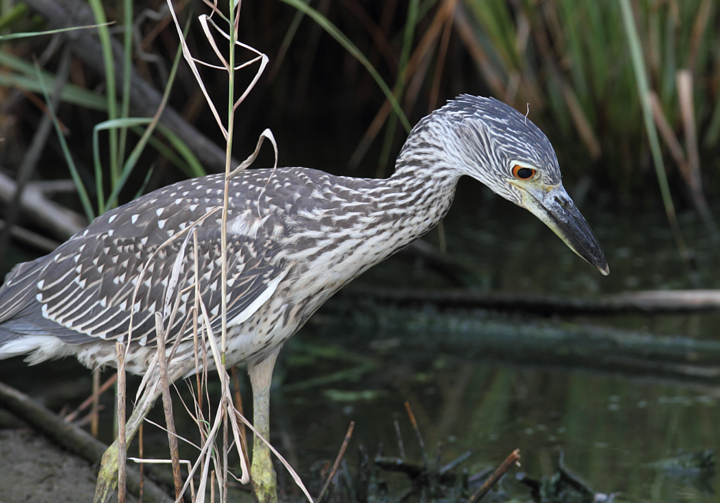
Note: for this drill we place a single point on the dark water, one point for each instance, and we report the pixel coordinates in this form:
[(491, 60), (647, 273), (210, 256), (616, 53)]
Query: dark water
[(612, 427)]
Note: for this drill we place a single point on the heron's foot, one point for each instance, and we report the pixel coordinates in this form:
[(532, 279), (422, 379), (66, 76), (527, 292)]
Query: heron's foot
[(263, 474), (108, 476)]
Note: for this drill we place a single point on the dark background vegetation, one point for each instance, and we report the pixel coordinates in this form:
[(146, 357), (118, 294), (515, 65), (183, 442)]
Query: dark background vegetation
[(569, 62)]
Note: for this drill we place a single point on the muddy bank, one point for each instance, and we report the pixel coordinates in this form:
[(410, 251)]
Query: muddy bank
[(32, 469)]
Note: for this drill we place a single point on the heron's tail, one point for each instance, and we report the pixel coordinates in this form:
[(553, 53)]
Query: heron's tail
[(17, 306)]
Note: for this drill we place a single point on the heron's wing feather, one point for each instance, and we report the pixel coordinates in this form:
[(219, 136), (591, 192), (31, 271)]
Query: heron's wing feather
[(100, 287)]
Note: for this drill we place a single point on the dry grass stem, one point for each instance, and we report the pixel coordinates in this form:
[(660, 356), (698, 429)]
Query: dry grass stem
[(687, 113), (237, 401), (167, 402), (206, 22), (415, 426), (95, 410), (122, 444), (90, 400), (336, 465), (141, 453), (203, 336), (668, 136), (499, 472)]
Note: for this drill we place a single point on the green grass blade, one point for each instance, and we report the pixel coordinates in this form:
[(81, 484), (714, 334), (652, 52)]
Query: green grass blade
[(185, 162), (84, 199), (109, 60), (97, 164), (408, 36), (14, 36), (192, 163), (643, 88), (71, 94), (127, 69), (340, 37)]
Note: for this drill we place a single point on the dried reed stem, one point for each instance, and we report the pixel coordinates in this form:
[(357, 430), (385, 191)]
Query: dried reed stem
[(499, 472), (95, 410), (122, 444), (417, 433), (167, 405), (91, 399), (336, 465)]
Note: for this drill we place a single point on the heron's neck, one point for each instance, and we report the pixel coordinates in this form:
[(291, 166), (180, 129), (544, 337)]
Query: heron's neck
[(420, 195), (363, 221), (425, 191)]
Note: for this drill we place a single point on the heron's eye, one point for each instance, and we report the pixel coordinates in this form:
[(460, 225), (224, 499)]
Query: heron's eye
[(523, 173)]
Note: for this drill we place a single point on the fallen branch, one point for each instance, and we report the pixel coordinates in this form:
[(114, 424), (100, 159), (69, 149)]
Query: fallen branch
[(44, 212), (31, 238)]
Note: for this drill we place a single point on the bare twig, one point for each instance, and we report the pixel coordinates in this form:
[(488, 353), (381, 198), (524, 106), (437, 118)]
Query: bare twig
[(336, 465), (501, 470), (89, 400), (413, 421), (95, 410)]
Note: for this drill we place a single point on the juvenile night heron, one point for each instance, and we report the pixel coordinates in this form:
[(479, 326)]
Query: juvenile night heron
[(295, 236)]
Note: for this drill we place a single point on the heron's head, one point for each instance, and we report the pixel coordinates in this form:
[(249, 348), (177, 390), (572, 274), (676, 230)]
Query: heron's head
[(497, 145)]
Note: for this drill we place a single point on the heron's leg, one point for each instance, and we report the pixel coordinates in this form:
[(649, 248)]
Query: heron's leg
[(262, 472)]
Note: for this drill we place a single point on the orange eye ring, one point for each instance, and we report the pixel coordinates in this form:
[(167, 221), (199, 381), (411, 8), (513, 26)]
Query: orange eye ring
[(523, 173)]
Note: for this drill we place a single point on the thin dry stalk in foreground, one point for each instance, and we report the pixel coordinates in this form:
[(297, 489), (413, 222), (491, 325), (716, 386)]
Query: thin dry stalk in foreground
[(121, 396), (415, 426), (90, 400), (95, 410), (239, 406), (501, 470), (167, 406), (336, 465)]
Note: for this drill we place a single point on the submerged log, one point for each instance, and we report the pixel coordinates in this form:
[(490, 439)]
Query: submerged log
[(648, 302), (498, 337)]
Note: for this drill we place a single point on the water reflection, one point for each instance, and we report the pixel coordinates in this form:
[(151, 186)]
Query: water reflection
[(611, 428)]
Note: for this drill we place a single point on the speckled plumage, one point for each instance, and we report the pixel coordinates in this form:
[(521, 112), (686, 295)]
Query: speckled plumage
[(295, 237)]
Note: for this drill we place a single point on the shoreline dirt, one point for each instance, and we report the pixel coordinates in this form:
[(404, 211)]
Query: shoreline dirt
[(33, 469)]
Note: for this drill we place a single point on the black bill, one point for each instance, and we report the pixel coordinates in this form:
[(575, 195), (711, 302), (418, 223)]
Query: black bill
[(553, 206)]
